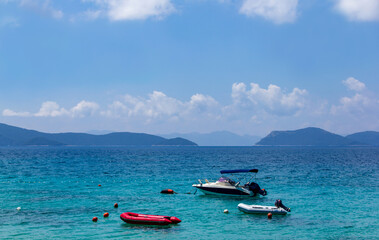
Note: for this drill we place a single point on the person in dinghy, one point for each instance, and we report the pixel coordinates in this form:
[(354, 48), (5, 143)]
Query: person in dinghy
[(228, 187)]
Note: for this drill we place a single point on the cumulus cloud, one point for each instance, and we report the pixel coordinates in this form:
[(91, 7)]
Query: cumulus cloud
[(51, 109), (116, 109), (118, 10), (156, 105), (251, 107), (202, 102), (84, 108), (354, 84), (10, 113), (272, 100), (278, 11), (357, 104), (359, 10), (159, 106), (362, 104)]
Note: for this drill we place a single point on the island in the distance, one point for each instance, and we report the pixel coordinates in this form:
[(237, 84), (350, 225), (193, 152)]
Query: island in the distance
[(15, 136), (313, 136)]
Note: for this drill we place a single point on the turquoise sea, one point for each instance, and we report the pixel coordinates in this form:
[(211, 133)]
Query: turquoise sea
[(333, 192)]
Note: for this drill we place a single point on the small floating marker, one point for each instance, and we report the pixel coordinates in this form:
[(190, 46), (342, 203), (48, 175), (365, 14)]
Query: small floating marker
[(226, 211), (99, 185), (115, 205), (94, 219), (269, 215), (106, 214), (18, 208), (167, 191)]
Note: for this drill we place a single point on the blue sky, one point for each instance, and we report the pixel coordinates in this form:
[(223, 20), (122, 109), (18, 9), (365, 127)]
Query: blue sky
[(164, 66)]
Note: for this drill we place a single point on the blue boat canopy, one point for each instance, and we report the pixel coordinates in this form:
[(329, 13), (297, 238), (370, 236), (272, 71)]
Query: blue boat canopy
[(239, 171)]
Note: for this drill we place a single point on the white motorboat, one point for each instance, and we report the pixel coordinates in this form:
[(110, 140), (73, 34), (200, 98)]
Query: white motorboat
[(226, 186), (278, 209)]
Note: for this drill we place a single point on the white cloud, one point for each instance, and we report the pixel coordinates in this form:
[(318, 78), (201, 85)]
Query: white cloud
[(202, 102), (249, 106), (278, 11), (51, 109), (118, 10), (354, 84), (159, 106), (156, 106), (359, 10), (271, 100), (252, 108), (116, 109), (10, 113), (362, 105), (358, 104), (84, 108)]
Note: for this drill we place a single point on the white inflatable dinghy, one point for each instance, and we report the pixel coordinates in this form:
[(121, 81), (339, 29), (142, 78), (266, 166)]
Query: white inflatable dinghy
[(278, 209)]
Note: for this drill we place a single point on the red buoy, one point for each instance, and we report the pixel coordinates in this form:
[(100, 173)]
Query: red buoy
[(115, 205), (167, 191), (269, 215), (94, 219), (106, 214), (99, 185)]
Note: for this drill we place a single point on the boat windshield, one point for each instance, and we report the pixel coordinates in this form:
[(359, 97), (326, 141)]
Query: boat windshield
[(223, 179), (226, 180)]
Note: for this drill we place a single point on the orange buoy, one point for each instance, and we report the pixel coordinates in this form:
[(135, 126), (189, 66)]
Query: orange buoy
[(94, 219), (106, 214), (269, 215), (167, 191), (115, 205), (99, 185)]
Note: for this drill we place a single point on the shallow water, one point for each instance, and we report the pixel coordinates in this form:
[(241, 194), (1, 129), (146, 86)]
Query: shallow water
[(332, 192)]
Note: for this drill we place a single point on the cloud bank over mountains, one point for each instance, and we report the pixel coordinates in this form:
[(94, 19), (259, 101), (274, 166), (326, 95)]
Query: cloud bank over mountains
[(276, 11), (52, 109), (272, 100), (250, 105)]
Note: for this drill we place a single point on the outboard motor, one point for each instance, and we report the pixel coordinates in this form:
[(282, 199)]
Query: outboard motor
[(279, 204), (254, 187)]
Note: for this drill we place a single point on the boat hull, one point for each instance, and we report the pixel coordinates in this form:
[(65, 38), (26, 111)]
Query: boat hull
[(145, 219), (230, 191), (257, 209)]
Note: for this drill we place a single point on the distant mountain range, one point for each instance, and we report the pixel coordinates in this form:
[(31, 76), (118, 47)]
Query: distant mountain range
[(15, 136), (220, 138), (368, 137), (318, 137)]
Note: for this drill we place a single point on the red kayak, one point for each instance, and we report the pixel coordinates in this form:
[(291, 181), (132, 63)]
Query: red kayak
[(135, 218)]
